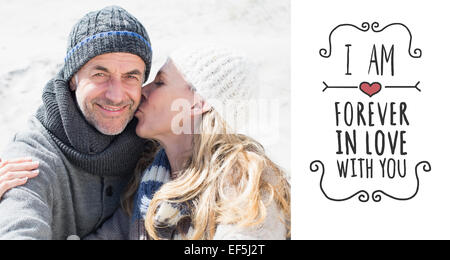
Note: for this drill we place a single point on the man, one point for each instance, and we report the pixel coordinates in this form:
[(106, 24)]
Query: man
[(83, 135)]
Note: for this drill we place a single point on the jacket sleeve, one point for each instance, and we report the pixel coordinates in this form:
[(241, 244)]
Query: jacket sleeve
[(24, 215), (26, 211), (272, 228), (115, 228)]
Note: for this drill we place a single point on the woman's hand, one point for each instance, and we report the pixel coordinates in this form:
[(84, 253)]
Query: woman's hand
[(16, 172)]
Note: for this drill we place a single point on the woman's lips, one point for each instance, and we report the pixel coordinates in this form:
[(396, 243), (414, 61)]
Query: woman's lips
[(138, 113), (139, 108)]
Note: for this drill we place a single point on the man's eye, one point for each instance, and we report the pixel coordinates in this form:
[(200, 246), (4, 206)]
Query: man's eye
[(159, 83), (99, 75), (132, 77)]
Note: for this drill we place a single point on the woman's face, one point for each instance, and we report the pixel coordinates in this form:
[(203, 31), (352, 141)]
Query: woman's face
[(165, 104)]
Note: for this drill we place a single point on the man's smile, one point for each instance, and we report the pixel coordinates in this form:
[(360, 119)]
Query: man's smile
[(112, 110)]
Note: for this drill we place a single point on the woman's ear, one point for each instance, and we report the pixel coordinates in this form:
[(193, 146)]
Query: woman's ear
[(200, 106)]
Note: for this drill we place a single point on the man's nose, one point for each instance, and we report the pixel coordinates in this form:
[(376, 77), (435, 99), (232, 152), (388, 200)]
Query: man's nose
[(115, 92)]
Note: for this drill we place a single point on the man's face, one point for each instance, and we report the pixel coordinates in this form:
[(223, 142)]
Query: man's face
[(108, 90)]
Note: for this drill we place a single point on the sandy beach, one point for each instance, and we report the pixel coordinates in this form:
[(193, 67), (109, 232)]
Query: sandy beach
[(34, 34)]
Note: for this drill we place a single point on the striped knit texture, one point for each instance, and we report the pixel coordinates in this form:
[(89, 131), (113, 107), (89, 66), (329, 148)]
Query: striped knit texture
[(153, 178), (169, 216)]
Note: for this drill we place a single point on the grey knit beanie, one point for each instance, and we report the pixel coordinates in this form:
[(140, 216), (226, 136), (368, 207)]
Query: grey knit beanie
[(111, 29)]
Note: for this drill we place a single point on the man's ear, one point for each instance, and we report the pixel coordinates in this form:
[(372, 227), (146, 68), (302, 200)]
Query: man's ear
[(73, 82)]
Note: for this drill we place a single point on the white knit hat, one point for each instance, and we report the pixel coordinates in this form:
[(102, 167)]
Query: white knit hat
[(221, 76), (215, 73)]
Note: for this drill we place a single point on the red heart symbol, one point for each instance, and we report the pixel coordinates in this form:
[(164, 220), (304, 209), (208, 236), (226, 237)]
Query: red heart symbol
[(370, 89)]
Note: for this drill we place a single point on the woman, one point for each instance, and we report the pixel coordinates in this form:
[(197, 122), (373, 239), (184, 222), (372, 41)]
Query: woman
[(205, 181)]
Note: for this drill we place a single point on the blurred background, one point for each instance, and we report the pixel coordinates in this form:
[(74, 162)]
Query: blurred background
[(33, 40)]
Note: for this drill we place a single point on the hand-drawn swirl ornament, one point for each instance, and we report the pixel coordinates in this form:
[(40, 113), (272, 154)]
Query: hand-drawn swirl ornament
[(314, 167), (376, 195), (364, 28), (325, 53), (417, 51)]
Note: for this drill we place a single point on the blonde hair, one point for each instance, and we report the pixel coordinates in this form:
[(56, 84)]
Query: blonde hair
[(227, 180)]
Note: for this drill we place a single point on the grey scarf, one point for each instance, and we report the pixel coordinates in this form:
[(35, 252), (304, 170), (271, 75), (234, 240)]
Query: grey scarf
[(83, 145)]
